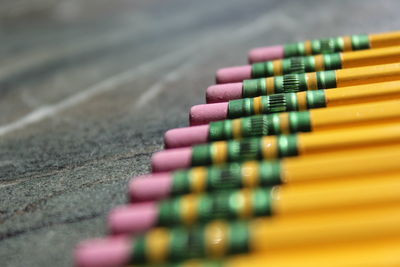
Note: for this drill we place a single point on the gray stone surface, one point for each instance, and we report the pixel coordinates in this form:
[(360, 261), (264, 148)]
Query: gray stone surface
[(87, 89)]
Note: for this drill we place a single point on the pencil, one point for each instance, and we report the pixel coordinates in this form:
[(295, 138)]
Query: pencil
[(272, 147), (325, 46), (281, 200), (205, 113), (375, 253), (309, 64), (220, 238), (286, 122), (352, 164), (303, 82)]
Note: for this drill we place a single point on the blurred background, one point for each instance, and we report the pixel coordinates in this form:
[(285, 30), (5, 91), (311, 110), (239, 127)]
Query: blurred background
[(88, 87)]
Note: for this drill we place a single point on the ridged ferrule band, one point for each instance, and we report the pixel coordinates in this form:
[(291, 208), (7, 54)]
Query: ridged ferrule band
[(230, 176), (289, 83), (296, 65), (275, 103), (215, 240), (327, 46), (233, 204), (263, 125), (268, 147)]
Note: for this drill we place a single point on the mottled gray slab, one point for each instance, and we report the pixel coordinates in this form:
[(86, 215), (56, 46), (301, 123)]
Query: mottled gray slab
[(87, 89)]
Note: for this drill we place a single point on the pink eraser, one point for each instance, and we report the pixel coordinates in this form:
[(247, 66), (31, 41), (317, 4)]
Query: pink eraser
[(187, 136), (150, 187), (266, 53), (203, 114), (108, 252), (224, 92), (172, 159), (134, 218), (233, 74)]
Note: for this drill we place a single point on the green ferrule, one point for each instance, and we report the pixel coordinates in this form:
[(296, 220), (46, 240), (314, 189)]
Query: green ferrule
[(359, 42), (254, 87), (240, 108), (309, 64), (294, 65), (279, 103), (263, 125), (294, 49), (239, 238), (169, 212), (300, 121), (332, 61), (180, 182), (290, 83), (216, 206), (262, 69), (226, 177), (258, 125), (316, 99), (202, 155), (327, 45), (138, 250), (187, 243), (220, 130), (287, 145), (245, 149), (269, 104), (270, 173), (262, 202), (326, 79), (192, 243)]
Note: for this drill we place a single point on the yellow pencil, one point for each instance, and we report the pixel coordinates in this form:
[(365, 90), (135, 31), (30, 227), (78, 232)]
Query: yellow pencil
[(375, 253), (267, 234), (282, 200)]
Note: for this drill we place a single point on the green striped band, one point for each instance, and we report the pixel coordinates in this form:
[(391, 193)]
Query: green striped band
[(220, 205), (197, 242), (295, 65), (274, 104), (325, 46), (227, 177), (198, 263), (261, 125), (242, 150), (288, 83)]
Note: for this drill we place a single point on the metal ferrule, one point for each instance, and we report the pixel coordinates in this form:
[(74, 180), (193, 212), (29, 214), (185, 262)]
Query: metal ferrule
[(229, 176), (259, 125)]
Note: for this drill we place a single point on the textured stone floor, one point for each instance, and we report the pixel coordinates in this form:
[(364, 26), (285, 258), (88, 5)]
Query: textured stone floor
[(87, 89)]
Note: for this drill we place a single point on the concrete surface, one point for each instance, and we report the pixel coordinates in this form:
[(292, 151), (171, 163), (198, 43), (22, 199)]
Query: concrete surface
[(87, 89)]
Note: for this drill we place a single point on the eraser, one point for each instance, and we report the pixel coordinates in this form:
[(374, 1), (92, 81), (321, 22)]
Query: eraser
[(134, 218), (150, 187), (266, 53), (171, 159), (187, 136), (203, 114), (108, 252), (233, 74), (224, 92)]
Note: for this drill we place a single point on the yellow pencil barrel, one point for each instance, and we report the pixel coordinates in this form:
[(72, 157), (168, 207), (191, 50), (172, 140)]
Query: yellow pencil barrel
[(272, 233), (376, 253), (379, 112), (384, 39), (362, 93), (369, 74), (348, 138), (370, 57), (336, 194), (357, 163)]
